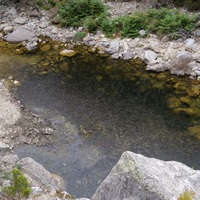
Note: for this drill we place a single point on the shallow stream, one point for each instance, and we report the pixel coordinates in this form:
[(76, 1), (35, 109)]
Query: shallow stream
[(96, 117)]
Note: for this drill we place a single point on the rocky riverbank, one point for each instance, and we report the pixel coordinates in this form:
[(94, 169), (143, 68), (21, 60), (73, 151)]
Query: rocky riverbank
[(180, 57), (19, 125)]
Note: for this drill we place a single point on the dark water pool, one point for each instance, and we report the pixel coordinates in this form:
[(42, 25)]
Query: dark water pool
[(95, 121)]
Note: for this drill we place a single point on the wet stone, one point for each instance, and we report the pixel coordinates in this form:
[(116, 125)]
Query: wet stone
[(67, 53), (45, 48)]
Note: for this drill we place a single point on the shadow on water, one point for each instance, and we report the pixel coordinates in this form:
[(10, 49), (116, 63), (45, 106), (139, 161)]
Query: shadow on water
[(96, 121)]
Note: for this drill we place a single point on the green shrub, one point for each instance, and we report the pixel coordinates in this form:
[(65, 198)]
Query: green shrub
[(90, 24), (75, 12), (166, 21), (130, 25), (107, 26), (19, 186), (92, 14)]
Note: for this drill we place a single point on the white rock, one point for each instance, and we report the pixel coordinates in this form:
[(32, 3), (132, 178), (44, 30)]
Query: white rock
[(128, 55), (113, 47), (21, 20), (8, 29), (115, 56), (189, 41), (11, 159), (3, 146), (150, 55), (184, 57), (142, 33), (20, 35)]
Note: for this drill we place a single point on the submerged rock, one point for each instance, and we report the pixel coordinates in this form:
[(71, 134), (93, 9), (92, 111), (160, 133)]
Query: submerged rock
[(67, 53), (138, 177)]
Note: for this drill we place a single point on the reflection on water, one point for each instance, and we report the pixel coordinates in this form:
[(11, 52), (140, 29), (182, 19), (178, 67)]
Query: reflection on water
[(96, 121)]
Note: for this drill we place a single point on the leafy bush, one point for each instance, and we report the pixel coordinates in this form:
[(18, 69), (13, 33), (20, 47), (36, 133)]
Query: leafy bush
[(130, 25), (19, 186), (168, 20), (75, 12), (162, 21), (92, 14)]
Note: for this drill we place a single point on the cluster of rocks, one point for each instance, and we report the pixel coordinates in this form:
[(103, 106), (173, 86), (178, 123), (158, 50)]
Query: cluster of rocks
[(180, 57)]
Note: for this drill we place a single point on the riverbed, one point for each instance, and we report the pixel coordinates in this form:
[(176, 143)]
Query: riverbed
[(96, 119)]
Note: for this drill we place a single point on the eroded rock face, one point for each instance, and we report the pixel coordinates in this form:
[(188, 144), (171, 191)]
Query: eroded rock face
[(138, 177), (39, 173)]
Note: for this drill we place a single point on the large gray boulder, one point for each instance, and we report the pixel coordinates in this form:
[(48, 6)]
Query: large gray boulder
[(136, 177), (20, 35)]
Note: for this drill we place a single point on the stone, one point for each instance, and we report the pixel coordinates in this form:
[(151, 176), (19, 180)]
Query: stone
[(189, 41), (36, 190), (4, 146), (165, 39), (21, 20), (37, 172), (45, 48), (70, 36), (138, 177), (10, 159), (20, 35), (43, 25), (113, 47), (195, 130), (142, 33), (56, 19), (1, 35), (30, 46), (128, 55), (197, 33), (115, 56), (67, 53), (54, 30), (184, 57), (158, 66), (8, 29), (64, 67), (150, 55)]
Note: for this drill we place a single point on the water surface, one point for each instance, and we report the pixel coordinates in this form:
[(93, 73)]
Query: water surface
[(96, 120)]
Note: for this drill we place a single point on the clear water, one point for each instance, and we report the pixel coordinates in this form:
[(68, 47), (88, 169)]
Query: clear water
[(95, 121)]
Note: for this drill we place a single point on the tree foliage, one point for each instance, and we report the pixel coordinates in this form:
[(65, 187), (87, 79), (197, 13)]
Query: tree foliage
[(19, 186)]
